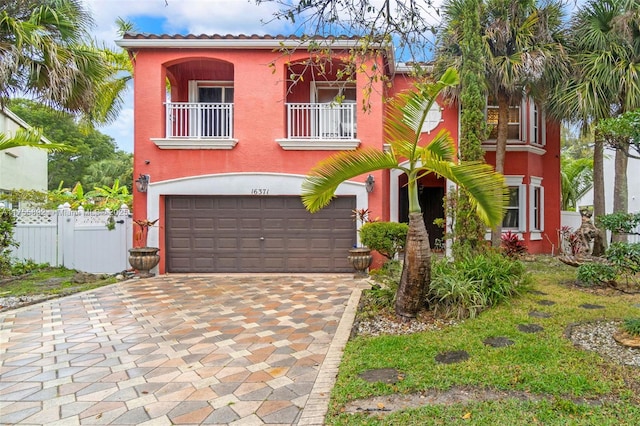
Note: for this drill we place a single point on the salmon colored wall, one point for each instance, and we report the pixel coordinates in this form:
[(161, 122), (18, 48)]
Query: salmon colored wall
[(259, 119)]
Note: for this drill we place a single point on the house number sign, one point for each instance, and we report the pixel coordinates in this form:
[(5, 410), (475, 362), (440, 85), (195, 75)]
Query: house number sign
[(260, 191)]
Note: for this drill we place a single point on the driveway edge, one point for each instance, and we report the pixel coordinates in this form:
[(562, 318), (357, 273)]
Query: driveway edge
[(317, 405)]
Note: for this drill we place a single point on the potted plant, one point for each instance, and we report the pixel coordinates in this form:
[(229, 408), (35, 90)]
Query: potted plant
[(360, 257), (141, 257)]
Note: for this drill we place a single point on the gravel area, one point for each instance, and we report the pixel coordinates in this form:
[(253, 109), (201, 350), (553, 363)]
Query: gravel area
[(13, 302), (598, 337)]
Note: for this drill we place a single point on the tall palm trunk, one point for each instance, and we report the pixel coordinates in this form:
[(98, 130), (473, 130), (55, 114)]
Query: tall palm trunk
[(416, 272), (501, 152), (620, 187), (599, 242)]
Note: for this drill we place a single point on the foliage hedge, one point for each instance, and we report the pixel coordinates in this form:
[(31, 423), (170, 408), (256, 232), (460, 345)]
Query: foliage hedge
[(387, 238)]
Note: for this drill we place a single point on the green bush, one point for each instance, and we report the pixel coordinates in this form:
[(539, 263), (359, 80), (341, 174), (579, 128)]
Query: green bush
[(387, 238), (593, 274), (7, 224), (27, 266), (622, 263), (632, 326), (467, 286), (383, 291)]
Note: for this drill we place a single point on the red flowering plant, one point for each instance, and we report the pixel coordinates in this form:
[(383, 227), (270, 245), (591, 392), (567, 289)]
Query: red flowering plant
[(140, 236)]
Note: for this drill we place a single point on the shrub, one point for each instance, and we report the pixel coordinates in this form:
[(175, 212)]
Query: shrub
[(593, 274), (512, 245), (387, 238), (632, 326), (7, 224), (383, 291), (27, 266), (622, 263), (473, 283)]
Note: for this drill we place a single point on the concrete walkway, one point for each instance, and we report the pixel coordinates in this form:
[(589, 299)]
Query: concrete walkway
[(179, 349)]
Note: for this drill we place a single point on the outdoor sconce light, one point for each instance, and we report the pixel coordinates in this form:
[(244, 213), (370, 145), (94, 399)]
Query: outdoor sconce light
[(368, 184), (142, 183)]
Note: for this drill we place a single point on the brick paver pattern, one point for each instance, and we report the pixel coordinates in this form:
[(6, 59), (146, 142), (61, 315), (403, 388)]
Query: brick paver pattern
[(168, 350)]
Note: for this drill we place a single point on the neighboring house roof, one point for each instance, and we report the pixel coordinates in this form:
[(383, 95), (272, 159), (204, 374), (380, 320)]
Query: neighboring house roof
[(19, 121)]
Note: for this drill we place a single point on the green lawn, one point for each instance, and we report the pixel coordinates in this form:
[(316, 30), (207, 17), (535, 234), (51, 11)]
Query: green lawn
[(544, 365), (49, 282)]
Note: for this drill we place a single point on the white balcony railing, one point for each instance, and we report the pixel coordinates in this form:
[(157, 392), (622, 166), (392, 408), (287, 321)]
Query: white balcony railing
[(321, 121), (194, 120)]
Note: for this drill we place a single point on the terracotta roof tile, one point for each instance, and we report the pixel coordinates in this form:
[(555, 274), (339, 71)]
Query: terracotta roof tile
[(147, 36)]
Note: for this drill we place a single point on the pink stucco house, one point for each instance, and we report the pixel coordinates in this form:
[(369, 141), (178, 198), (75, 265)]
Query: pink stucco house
[(226, 128)]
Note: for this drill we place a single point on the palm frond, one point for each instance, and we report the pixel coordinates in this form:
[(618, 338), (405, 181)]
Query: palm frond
[(487, 189), (31, 138), (320, 185)]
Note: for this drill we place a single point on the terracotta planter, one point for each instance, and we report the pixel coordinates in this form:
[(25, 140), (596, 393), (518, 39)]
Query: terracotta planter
[(143, 259), (360, 258)]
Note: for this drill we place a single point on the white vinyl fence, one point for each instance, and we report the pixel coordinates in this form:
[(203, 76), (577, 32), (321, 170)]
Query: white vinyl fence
[(74, 239)]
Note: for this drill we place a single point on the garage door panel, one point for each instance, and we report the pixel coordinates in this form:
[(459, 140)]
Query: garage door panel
[(203, 263), (180, 243), (180, 223), (248, 243), (249, 223), (203, 243), (277, 224), (203, 223), (203, 203), (223, 234), (226, 243), (180, 203)]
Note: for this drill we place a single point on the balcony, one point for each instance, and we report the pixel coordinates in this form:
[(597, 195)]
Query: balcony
[(320, 126), (197, 125)]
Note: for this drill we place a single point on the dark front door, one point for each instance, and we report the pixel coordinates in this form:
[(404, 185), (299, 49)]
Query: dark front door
[(432, 205)]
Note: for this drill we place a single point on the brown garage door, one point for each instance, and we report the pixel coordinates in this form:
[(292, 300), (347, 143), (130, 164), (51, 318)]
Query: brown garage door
[(257, 234)]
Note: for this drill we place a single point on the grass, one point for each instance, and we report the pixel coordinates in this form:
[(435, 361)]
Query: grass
[(544, 364), (48, 282)]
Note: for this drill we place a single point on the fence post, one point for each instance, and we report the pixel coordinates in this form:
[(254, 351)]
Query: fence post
[(66, 226)]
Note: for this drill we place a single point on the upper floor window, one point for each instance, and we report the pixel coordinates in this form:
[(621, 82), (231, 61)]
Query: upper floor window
[(333, 92), (212, 109), (514, 123), (537, 126)]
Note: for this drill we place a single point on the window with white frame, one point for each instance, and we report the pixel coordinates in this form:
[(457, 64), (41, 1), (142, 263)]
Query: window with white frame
[(515, 216), (514, 124), (536, 203), (537, 124), (213, 115)]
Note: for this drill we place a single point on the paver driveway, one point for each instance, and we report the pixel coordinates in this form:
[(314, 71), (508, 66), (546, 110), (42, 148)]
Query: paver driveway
[(178, 349)]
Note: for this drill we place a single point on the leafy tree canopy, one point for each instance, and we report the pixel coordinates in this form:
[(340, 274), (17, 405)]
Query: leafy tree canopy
[(96, 160)]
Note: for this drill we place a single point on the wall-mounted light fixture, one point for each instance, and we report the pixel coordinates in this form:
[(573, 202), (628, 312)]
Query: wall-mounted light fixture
[(142, 183), (368, 184)]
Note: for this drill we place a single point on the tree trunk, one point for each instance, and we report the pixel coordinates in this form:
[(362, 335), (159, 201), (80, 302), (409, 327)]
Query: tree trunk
[(599, 242), (416, 271), (501, 152), (620, 188)]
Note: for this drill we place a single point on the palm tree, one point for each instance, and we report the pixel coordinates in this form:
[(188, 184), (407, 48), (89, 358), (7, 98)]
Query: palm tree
[(407, 113), (605, 53), (46, 53), (519, 46), (576, 180)]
